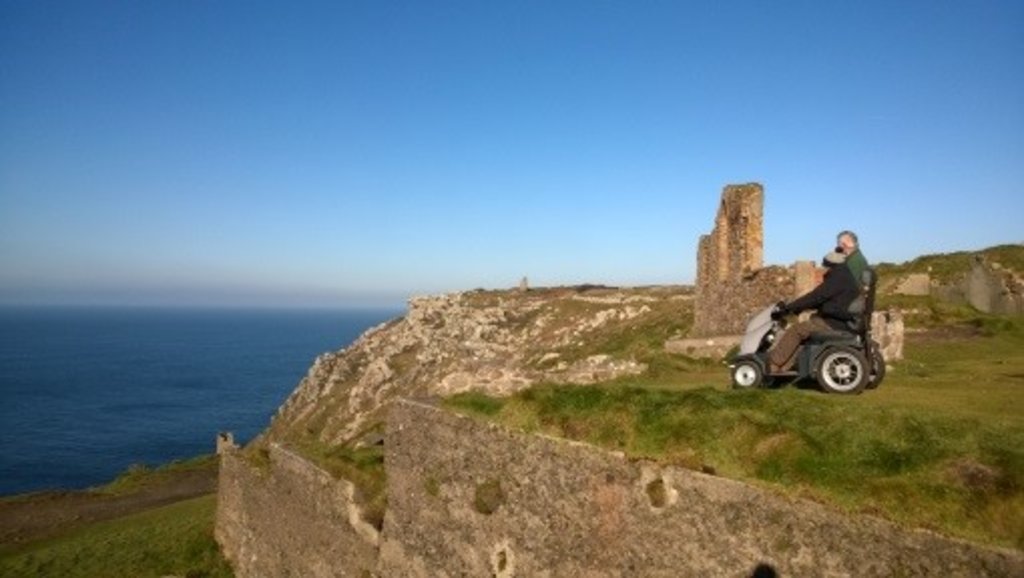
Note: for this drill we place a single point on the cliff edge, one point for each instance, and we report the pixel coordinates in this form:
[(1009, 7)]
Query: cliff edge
[(496, 342)]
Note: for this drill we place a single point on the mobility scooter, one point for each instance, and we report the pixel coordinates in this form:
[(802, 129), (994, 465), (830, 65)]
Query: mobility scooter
[(840, 361)]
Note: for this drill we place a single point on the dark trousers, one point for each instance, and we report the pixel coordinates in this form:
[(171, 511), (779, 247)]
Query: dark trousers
[(781, 356)]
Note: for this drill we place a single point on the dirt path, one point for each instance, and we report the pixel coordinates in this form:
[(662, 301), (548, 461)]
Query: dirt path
[(35, 516)]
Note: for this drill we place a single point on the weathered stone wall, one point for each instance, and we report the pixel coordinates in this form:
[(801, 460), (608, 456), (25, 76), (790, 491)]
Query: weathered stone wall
[(992, 289), (724, 308), (467, 498), (472, 499), (887, 330), (290, 518)]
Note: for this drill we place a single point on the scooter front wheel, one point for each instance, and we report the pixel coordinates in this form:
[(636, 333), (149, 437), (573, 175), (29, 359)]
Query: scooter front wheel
[(747, 375)]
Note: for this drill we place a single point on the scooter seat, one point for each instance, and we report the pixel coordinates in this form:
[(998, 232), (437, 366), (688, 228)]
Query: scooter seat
[(831, 336)]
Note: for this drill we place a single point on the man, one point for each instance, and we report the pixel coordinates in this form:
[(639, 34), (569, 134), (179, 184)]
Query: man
[(847, 244), (831, 299)]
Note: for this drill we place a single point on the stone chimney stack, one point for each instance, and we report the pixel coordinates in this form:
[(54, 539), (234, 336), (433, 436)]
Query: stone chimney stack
[(732, 281), (735, 247)]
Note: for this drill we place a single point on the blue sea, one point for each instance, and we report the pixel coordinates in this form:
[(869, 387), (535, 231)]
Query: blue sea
[(87, 392)]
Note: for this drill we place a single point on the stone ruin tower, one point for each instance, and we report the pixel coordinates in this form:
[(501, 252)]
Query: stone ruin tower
[(732, 282), (735, 247)]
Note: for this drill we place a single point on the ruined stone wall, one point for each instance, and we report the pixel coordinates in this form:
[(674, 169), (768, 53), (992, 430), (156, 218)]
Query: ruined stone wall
[(993, 289), (467, 498), (724, 308), (888, 332), (290, 518)]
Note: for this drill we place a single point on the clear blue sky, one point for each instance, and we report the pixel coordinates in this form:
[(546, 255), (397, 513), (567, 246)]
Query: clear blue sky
[(346, 153)]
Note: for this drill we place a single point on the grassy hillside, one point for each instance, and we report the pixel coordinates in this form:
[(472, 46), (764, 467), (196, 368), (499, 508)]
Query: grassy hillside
[(124, 528), (172, 540), (950, 267)]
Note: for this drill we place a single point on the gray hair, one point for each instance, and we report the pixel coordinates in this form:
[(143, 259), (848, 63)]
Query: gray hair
[(850, 234)]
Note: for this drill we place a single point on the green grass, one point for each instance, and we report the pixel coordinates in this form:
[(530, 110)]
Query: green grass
[(641, 339), (139, 476), (172, 540), (940, 445), (1009, 256), (363, 467), (978, 373), (478, 403), (929, 312)]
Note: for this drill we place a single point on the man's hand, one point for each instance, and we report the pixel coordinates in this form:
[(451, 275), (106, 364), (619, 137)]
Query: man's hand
[(780, 310)]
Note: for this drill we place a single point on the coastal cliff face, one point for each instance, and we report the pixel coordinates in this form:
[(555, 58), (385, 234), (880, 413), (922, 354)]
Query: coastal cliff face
[(498, 342)]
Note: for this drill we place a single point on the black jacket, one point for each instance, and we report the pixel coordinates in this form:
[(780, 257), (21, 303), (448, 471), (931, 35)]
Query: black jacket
[(832, 298)]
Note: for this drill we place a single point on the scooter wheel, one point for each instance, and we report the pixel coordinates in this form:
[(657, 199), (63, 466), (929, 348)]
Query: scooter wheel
[(747, 375), (842, 370)]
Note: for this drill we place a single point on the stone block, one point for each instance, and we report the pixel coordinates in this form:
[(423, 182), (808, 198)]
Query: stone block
[(915, 284)]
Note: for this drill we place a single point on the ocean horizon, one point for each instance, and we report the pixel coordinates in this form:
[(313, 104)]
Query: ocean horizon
[(87, 392)]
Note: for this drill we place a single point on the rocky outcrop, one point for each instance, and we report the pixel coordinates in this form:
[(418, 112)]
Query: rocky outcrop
[(991, 288), (495, 342), (887, 329), (980, 279)]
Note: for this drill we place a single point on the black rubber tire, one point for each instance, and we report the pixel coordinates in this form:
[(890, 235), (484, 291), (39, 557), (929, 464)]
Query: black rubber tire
[(842, 370), (747, 375), (877, 368)]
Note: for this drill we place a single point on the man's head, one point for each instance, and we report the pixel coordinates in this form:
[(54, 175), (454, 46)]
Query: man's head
[(846, 242)]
